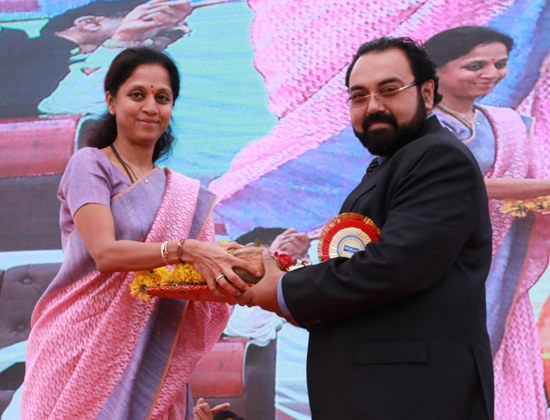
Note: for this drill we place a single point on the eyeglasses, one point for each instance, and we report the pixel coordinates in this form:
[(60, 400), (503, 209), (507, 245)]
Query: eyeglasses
[(388, 94)]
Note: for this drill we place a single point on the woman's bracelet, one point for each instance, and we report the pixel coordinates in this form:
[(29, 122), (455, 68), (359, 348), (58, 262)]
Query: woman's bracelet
[(164, 252), (180, 250)]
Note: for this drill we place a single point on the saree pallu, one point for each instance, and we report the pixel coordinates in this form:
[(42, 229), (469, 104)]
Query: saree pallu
[(96, 352), (520, 257)]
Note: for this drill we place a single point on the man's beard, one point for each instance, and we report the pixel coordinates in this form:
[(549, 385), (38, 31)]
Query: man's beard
[(385, 142)]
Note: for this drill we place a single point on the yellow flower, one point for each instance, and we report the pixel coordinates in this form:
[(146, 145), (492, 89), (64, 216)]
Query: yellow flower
[(149, 278), (509, 205), (515, 208), (545, 201), (153, 278), (520, 208), (530, 204), (138, 290), (186, 273), (182, 273)]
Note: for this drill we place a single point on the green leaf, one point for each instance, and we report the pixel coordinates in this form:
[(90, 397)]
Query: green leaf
[(257, 243)]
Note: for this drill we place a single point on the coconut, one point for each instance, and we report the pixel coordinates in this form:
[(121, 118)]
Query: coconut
[(254, 256)]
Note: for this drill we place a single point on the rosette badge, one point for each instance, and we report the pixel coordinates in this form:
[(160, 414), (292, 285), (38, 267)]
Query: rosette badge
[(345, 235)]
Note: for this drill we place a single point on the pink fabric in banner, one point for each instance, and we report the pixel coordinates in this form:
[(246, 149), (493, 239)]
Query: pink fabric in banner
[(106, 322), (541, 112), (303, 49), (511, 161), (519, 386)]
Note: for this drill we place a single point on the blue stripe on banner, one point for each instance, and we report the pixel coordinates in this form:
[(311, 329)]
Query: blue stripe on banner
[(527, 22)]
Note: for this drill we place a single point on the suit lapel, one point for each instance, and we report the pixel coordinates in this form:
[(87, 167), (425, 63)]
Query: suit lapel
[(366, 185), (431, 125)]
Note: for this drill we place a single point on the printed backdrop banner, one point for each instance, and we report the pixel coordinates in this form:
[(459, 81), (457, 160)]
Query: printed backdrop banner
[(262, 121)]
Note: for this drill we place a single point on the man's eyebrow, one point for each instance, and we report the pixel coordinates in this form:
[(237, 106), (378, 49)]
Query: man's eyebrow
[(391, 80), (383, 82)]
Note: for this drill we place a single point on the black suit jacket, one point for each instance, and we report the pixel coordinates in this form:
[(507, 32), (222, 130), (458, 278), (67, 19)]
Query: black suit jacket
[(30, 71), (398, 331)]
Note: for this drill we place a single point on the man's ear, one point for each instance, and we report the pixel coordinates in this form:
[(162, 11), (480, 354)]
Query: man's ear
[(88, 23), (428, 94)]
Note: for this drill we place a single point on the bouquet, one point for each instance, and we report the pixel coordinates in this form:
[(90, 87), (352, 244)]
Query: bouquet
[(184, 282), (520, 208)]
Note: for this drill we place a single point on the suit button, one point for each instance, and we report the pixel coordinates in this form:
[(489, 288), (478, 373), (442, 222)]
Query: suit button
[(306, 324), (318, 321)]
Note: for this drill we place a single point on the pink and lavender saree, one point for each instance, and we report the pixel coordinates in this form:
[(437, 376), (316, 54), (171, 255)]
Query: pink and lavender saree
[(96, 352), (504, 149)]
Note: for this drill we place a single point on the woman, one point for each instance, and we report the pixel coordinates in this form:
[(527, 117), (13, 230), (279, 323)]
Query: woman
[(471, 61), (96, 352)]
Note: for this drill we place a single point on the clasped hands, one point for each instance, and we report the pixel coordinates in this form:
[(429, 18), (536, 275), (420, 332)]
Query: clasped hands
[(216, 266), (148, 19), (264, 293)]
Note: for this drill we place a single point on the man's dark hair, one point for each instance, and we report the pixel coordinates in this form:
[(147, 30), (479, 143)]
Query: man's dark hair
[(227, 415), (423, 67), (121, 69), (265, 235), (456, 42), (112, 8)]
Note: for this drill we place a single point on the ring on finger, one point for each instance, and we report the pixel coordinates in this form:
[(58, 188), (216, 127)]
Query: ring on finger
[(219, 277)]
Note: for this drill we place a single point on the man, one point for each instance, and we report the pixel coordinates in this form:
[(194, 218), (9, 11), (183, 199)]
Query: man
[(398, 330), (33, 67)]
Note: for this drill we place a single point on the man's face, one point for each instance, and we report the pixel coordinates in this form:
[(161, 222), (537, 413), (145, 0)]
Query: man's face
[(384, 128)]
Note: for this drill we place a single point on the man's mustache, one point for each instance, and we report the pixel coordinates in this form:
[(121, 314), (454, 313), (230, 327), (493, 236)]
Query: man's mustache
[(378, 118)]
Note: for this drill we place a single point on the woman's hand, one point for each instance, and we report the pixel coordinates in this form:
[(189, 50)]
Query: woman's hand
[(203, 411), (226, 246), (212, 260)]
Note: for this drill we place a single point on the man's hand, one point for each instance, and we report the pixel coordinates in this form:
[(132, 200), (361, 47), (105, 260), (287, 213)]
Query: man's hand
[(291, 242), (264, 293), (203, 411), (145, 20)]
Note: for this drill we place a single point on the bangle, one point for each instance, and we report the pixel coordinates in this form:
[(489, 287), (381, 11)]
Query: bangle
[(164, 252), (180, 250)]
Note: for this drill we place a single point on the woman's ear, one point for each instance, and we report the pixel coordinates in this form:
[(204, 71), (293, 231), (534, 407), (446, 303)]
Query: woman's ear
[(110, 102)]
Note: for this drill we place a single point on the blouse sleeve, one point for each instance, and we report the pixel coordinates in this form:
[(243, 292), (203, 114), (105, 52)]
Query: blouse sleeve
[(87, 179)]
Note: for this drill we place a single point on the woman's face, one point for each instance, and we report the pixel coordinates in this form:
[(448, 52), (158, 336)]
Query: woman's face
[(143, 105), (474, 74)]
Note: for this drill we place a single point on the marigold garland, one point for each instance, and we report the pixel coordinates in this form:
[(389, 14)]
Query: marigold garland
[(149, 278), (520, 208)]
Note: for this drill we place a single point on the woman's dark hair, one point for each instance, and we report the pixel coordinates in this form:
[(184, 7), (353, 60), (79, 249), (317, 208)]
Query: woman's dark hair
[(122, 67), (456, 42), (422, 65)]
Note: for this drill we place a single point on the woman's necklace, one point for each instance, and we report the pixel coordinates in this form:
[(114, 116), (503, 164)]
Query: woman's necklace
[(466, 118), (125, 162)]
